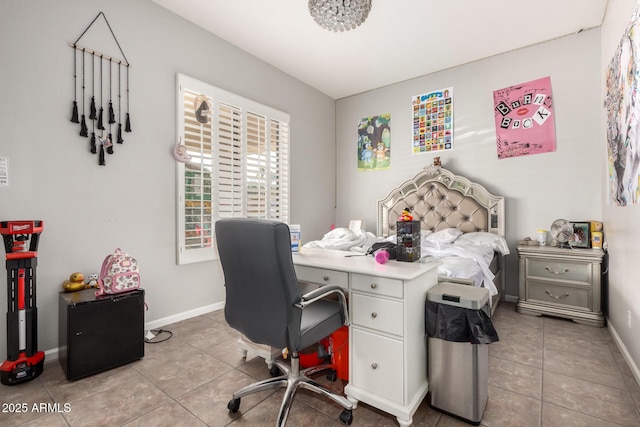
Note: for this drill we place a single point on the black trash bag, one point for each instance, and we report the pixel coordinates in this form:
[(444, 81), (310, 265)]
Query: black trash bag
[(458, 324)]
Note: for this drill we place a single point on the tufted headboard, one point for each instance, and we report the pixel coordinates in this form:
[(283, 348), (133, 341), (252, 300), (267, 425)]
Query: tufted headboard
[(440, 199)]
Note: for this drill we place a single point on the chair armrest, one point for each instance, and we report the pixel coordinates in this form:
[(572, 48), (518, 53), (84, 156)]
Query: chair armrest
[(324, 291)]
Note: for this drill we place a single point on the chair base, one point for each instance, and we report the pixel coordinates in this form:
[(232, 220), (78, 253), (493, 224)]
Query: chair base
[(292, 379)]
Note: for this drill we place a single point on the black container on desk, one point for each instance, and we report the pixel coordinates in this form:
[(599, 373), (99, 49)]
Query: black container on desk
[(408, 240)]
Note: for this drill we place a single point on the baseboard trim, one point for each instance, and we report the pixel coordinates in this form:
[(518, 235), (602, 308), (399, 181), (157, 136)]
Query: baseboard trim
[(53, 354), (623, 349), (155, 324), (511, 298)]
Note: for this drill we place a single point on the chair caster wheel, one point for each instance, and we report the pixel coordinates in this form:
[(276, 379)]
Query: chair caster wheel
[(233, 405), (274, 371), (346, 417), (332, 375)]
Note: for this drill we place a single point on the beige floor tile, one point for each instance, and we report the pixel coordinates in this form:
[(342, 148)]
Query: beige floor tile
[(544, 372), (589, 398), (509, 409), (168, 415), (517, 351), (556, 416), (516, 377), (578, 366)]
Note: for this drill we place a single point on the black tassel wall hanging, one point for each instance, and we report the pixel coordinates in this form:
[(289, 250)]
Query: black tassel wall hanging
[(92, 108), (119, 134), (83, 124), (100, 125), (97, 109), (127, 126), (74, 110), (112, 116)]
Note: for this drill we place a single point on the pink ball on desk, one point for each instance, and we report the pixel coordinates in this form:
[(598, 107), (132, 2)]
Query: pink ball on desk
[(381, 256)]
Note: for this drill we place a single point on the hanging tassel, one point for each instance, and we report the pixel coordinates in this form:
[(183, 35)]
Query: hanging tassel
[(74, 113), (92, 113), (110, 145), (112, 116), (93, 143), (127, 126), (100, 125), (120, 140), (101, 156), (83, 127)]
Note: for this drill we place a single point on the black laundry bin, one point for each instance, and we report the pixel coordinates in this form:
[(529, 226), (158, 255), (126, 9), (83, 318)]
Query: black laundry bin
[(459, 328)]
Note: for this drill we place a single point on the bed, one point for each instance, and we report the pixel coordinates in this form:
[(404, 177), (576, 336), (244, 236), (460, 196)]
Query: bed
[(443, 203)]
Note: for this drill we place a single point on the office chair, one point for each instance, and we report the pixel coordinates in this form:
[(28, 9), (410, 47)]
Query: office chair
[(264, 303)]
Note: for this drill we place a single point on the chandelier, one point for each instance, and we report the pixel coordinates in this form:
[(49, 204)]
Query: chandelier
[(339, 15)]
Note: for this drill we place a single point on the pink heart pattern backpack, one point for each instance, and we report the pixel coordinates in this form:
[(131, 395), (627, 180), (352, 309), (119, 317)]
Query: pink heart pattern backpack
[(119, 273)]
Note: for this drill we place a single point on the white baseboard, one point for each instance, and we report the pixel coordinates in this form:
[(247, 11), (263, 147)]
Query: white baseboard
[(627, 357), (511, 298), (155, 324), (53, 353)]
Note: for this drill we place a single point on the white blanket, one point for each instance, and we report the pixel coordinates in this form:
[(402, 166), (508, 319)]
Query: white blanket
[(457, 261)]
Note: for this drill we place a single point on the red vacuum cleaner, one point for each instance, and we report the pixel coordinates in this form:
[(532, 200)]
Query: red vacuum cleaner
[(24, 362)]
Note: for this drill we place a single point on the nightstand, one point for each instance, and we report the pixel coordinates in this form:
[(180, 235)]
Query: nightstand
[(561, 282)]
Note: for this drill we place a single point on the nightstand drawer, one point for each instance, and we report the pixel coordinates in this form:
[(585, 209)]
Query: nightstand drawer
[(377, 285), (568, 296), (377, 313), (559, 270), (322, 276)]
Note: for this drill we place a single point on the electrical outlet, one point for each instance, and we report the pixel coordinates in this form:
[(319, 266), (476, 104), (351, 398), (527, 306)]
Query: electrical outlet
[(629, 318)]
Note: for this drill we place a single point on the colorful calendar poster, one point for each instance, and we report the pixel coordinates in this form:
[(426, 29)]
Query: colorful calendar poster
[(433, 121)]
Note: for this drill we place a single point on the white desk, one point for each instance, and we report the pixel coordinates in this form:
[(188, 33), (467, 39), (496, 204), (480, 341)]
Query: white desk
[(387, 341)]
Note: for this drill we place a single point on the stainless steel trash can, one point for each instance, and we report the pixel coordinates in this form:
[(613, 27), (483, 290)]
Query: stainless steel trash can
[(458, 371)]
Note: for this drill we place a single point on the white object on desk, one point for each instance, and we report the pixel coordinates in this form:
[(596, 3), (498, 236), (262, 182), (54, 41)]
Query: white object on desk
[(387, 310)]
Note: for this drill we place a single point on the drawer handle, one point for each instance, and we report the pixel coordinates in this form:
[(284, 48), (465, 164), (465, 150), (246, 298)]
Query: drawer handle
[(374, 366), (374, 314), (325, 278), (564, 270), (566, 294), (374, 285)]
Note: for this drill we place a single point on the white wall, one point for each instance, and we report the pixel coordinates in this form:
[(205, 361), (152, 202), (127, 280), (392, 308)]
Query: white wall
[(539, 188), (622, 224), (88, 210)]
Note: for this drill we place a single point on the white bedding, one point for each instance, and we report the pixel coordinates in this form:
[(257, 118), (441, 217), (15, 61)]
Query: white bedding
[(459, 259)]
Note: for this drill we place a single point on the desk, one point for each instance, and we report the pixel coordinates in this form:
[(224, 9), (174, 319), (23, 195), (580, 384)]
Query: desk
[(387, 341)]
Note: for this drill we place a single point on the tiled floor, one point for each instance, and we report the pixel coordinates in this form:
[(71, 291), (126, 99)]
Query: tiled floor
[(543, 372)]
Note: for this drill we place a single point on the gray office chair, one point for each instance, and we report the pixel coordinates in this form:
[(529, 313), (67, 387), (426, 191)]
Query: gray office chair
[(263, 301)]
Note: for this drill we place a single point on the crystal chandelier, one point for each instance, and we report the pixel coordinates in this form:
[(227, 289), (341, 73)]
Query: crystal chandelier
[(339, 15)]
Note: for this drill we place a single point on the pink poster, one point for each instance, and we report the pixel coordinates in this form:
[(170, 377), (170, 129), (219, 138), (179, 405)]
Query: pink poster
[(524, 119)]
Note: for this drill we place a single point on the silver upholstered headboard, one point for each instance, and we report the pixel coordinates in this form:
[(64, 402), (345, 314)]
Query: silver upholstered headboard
[(440, 199)]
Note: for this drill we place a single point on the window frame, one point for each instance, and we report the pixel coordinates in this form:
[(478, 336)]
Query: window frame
[(246, 107)]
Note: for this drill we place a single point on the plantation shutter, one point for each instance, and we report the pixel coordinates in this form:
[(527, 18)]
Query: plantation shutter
[(239, 165)]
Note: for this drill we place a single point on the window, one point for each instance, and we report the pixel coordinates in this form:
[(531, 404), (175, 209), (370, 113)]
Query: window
[(238, 167)]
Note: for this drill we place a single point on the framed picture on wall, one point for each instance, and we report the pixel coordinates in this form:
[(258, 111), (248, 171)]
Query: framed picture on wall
[(580, 238)]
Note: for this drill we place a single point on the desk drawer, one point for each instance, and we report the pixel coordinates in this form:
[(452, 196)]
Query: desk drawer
[(377, 365), (559, 270), (377, 313), (322, 276), (568, 296), (377, 285)]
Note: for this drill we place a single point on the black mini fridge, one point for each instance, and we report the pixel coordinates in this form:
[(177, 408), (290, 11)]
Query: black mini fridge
[(99, 333)]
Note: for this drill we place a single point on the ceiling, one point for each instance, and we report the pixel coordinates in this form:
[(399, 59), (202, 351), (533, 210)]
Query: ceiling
[(400, 40)]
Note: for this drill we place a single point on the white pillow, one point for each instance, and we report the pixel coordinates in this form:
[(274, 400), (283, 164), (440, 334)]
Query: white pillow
[(448, 235), (496, 242)]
